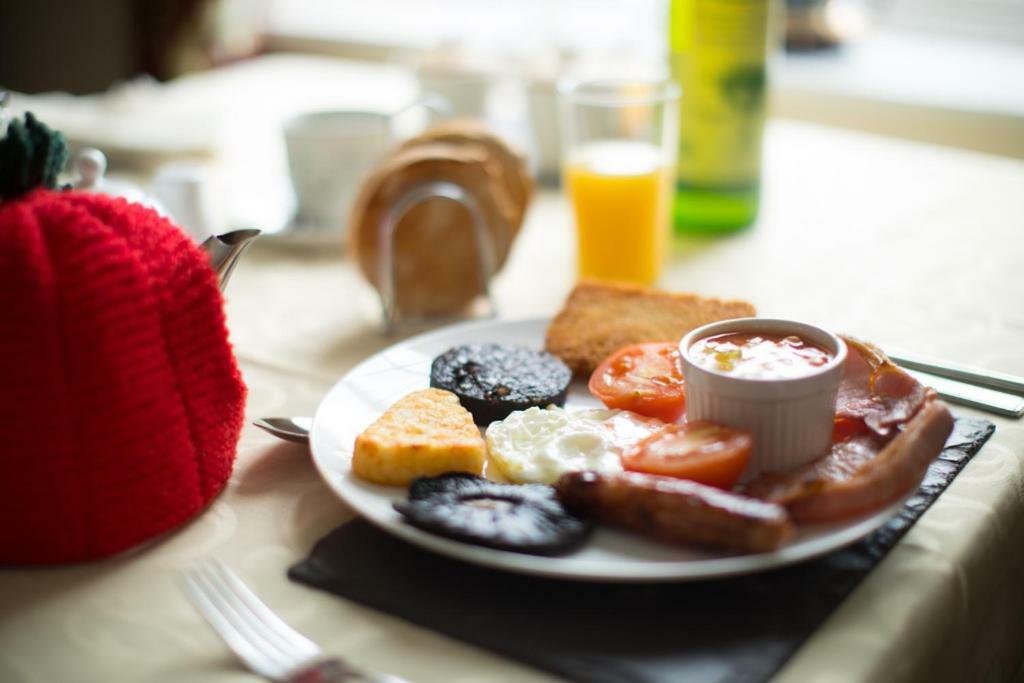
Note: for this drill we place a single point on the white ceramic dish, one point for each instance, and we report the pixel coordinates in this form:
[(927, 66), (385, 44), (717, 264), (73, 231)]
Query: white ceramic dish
[(365, 392), (789, 419)]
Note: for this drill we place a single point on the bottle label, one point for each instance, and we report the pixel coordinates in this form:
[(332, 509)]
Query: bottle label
[(719, 57)]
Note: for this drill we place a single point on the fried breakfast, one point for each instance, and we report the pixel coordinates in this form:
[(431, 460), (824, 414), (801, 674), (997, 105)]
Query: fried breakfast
[(676, 510), (493, 380), (715, 477), (526, 518), (599, 318), (540, 445), (423, 434)]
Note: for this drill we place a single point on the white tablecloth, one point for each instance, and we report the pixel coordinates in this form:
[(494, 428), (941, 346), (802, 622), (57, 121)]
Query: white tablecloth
[(904, 244)]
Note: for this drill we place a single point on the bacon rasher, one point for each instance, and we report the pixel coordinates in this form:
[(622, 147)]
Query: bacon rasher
[(889, 428)]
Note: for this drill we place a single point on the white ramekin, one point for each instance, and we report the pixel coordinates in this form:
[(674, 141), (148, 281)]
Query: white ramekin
[(789, 420)]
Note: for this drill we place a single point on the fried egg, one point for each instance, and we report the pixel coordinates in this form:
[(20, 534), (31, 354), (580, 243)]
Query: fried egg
[(539, 445)]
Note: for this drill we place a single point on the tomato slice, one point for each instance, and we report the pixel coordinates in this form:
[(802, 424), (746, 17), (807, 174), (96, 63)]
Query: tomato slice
[(701, 451), (644, 378)]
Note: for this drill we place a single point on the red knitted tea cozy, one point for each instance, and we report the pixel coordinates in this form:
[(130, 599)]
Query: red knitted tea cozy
[(120, 400)]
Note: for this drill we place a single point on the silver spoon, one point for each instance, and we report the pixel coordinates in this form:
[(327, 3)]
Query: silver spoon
[(294, 429)]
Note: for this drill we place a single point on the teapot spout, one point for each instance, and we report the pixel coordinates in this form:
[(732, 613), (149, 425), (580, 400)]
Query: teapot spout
[(225, 249)]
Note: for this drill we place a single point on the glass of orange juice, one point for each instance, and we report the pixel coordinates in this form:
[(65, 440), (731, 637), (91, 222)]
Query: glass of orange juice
[(619, 153)]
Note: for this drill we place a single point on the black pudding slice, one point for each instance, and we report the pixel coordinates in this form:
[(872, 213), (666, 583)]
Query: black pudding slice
[(493, 380), (525, 518)]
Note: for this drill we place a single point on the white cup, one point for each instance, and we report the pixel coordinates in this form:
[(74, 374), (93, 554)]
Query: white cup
[(542, 101), (187, 191), (329, 154), (789, 420), (464, 93)]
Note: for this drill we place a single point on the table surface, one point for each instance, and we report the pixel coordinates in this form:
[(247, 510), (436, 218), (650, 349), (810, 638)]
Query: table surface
[(899, 243)]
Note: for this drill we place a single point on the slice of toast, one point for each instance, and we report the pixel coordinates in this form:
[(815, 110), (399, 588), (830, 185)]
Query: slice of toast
[(599, 318), (423, 434)]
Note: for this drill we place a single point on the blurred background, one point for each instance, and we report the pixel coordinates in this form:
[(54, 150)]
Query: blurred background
[(162, 80), (958, 64)]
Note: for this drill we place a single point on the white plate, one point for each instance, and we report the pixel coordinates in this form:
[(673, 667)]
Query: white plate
[(365, 392)]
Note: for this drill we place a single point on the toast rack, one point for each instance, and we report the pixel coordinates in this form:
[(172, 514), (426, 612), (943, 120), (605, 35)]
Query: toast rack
[(485, 250)]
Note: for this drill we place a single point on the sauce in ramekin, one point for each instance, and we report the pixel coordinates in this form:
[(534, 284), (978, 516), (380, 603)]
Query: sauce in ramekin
[(756, 355)]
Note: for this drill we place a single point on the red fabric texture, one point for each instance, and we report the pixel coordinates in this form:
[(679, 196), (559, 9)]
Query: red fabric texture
[(120, 400)]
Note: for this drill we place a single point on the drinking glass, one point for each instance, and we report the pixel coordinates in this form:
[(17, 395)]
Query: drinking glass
[(618, 155)]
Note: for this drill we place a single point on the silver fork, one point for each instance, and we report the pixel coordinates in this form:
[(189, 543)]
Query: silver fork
[(264, 643)]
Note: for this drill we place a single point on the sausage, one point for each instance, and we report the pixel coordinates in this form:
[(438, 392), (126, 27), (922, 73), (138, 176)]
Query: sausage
[(677, 511)]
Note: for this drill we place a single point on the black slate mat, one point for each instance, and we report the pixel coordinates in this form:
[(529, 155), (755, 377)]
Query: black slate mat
[(741, 629)]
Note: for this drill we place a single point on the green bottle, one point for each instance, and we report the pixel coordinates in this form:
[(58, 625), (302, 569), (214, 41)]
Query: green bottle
[(719, 50)]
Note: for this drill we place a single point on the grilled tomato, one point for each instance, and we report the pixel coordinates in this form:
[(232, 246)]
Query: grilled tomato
[(700, 451), (644, 378)]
